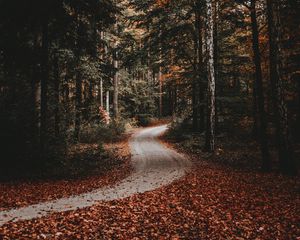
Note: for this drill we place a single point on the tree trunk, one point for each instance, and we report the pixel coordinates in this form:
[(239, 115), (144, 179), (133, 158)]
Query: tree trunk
[(160, 93), (194, 83), (287, 162), (101, 92), (116, 87), (100, 89), (254, 112), (89, 105), (210, 130), (195, 97), (44, 84), (107, 102), (200, 71), (34, 92), (67, 101), (78, 103), (296, 78), (216, 10), (266, 163), (56, 97), (78, 85), (175, 99)]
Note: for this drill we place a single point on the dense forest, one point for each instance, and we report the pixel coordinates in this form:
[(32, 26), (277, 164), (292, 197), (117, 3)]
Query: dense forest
[(149, 119), (214, 63)]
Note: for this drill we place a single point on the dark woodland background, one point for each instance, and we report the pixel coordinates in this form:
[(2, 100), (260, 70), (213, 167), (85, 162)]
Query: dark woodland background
[(66, 64)]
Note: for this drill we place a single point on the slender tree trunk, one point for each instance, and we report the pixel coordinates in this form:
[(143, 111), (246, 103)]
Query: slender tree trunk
[(296, 78), (78, 85), (195, 102), (116, 88), (34, 92), (101, 92), (254, 112), (107, 102), (216, 56), (287, 161), (115, 80), (78, 104), (160, 92), (210, 130), (266, 163), (175, 100), (56, 98), (90, 101), (67, 102), (200, 71), (44, 84), (201, 107)]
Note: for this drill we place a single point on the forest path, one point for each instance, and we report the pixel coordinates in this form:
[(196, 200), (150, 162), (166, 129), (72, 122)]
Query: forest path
[(154, 166)]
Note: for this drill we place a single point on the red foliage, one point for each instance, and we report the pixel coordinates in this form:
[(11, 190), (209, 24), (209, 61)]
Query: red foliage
[(19, 194), (211, 202)]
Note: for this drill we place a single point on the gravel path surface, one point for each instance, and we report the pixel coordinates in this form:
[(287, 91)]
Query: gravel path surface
[(154, 166)]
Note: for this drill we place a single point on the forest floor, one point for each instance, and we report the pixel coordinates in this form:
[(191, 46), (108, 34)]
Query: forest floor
[(213, 201), (97, 169), (153, 166)]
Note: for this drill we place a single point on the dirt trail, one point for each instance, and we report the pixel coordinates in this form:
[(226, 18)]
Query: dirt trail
[(154, 166)]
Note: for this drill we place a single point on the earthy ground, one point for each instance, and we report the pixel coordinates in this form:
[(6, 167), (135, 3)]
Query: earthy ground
[(213, 201), (153, 166), (109, 170), (209, 203)]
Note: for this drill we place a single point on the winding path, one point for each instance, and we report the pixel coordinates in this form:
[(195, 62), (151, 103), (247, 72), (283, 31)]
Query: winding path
[(154, 166)]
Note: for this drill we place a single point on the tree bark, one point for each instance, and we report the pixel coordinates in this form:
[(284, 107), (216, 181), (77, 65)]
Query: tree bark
[(100, 89), (286, 158), (78, 103), (44, 84), (210, 130), (195, 87), (195, 97), (254, 112), (78, 84), (200, 70), (34, 92), (101, 92), (107, 102), (56, 97), (266, 163), (116, 88), (216, 10), (297, 79), (160, 92)]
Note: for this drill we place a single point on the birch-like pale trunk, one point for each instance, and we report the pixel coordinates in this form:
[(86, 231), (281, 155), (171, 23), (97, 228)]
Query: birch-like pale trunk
[(211, 88), (160, 79), (116, 89), (101, 80), (160, 92), (101, 92), (107, 102), (116, 79)]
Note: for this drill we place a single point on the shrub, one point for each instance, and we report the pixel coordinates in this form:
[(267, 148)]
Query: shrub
[(95, 133), (144, 119)]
